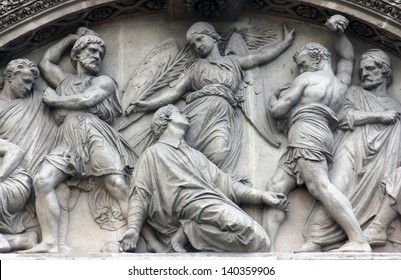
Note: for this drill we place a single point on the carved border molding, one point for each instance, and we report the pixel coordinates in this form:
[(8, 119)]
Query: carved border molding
[(28, 24)]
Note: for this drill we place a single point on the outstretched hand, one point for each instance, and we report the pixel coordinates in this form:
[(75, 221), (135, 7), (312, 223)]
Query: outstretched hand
[(337, 23), (276, 200), (139, 106), (129, 240), (289, 35)]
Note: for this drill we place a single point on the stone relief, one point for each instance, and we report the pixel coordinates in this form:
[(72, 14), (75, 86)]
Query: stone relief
[(189, 202), (173, 184), (367, 149), (308, 105)]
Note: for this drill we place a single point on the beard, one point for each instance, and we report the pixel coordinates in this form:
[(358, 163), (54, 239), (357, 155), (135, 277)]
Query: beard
[(91, 65), (372, 83)]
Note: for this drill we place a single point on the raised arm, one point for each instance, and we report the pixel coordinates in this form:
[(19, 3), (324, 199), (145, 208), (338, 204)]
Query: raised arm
[(267, 53), (102, 87), (49, 67), (343, 47), (11, 155), (284, 99)]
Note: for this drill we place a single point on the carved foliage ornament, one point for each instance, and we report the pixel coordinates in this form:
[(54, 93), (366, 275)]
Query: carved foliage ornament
[(205, 8)]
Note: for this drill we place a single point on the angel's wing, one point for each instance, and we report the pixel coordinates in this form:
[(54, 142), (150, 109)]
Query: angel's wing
[(255, 99), (158, 69)]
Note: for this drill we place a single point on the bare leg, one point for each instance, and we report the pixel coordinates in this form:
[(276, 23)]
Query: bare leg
[(118, 188), (63, 197), (47, 207), (281, 182), (340, 175), (376, 233), (316, 178), (4, 245), (22, 241)]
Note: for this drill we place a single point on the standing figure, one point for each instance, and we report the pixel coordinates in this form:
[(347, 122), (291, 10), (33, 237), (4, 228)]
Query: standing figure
[(309, 105), (188, 200), (214, 81), (368, 149), (85, 106), (24, 120), (16, 222)]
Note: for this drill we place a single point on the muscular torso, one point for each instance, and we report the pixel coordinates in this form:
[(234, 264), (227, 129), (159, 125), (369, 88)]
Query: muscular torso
[(323, 88)]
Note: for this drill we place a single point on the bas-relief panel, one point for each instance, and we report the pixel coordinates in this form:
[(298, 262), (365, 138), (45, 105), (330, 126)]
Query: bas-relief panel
[(130, 40)]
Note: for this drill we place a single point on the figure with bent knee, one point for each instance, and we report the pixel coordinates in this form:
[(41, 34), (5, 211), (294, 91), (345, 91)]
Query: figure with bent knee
[(190, 203), (309, 106), (17, 223)]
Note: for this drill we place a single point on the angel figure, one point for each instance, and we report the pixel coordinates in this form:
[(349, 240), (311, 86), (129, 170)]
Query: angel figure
[(213, 86)]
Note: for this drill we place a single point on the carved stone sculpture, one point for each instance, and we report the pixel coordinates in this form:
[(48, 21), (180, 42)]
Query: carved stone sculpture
[(376, 233), (190, 203), (217, 87), (17, 222), (86, 145), (309, 106), (367, 149)]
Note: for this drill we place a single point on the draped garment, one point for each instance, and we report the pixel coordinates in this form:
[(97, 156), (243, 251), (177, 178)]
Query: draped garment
[(86, 147), (310, 137), (176, 186), (372, 151)]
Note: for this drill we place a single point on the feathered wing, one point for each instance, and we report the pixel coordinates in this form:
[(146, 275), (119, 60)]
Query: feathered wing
[(159, 68), (254, 98)]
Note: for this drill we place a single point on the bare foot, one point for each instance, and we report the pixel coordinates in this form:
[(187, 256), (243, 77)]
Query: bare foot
[(65, 249), (4, 245), (41, 248), (354, 247), (309, 247), (179, 240)]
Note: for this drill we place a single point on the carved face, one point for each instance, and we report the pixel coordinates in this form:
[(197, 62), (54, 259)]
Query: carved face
[(21, 83), (202, 43), (90, 58), (306, 63), (179, 119), (370, 73)]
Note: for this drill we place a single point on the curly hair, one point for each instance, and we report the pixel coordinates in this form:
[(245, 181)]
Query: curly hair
[(161, 119), (82, 43), (17, 65), (315, 50)]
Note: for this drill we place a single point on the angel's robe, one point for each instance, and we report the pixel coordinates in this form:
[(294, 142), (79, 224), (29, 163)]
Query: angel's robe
[(364, 156), (216, 127), (176, 186)]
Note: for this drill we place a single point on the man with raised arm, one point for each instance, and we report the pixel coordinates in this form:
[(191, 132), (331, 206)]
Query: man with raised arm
[(189, 202), (85, 106), (309, 106), (368, 150)]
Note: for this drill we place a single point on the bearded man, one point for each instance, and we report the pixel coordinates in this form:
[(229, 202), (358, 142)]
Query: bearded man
[(367, 150), (86, 146)]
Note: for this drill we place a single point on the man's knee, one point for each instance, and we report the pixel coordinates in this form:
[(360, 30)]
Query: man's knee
[(117, 185), (42, 183), (281, 182)]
